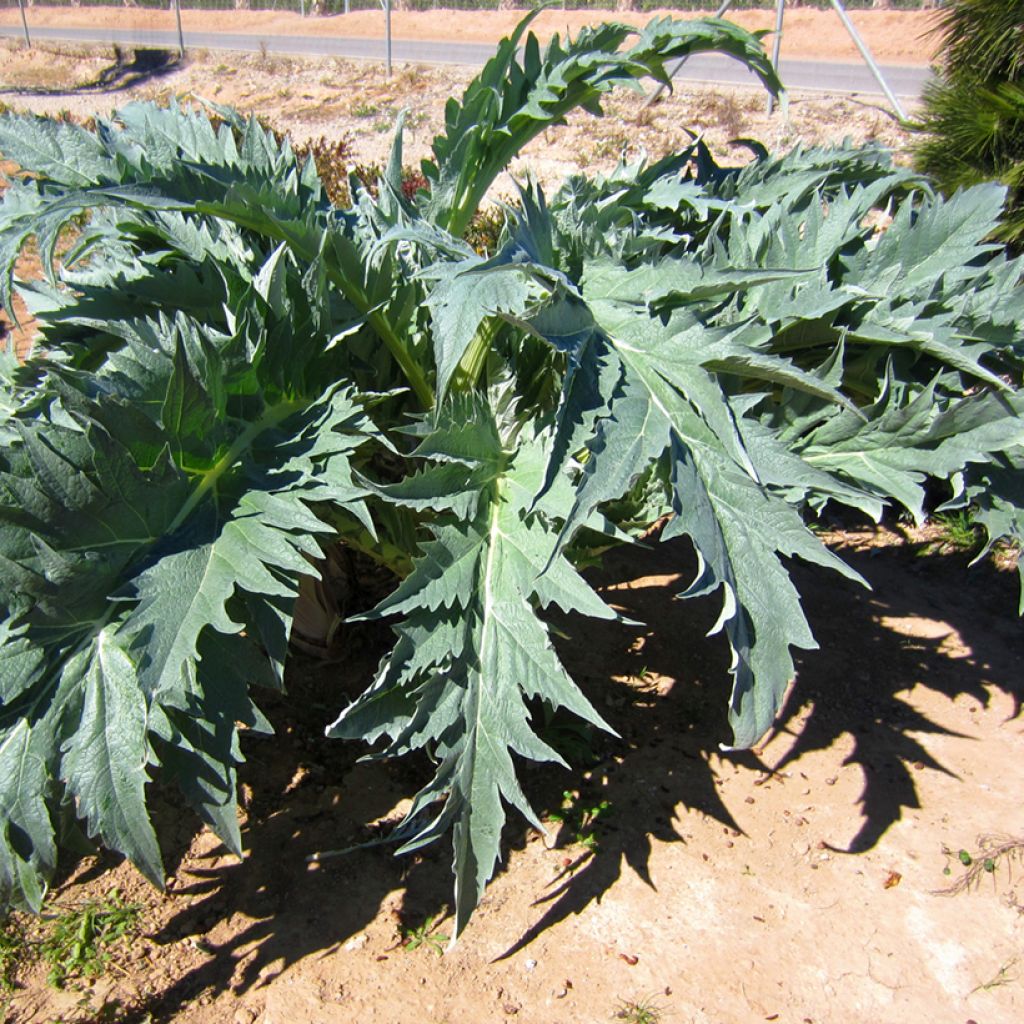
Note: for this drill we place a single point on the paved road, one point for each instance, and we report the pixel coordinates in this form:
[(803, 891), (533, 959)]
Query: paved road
[(827, 76)]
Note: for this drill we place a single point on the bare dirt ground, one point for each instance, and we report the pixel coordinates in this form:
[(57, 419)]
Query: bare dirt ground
[(795, 884)]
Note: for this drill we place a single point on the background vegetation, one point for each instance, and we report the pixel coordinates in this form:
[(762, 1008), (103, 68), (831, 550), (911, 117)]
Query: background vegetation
[(974, 113)]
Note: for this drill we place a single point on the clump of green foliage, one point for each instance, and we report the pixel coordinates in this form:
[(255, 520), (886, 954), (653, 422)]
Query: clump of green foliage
[(642, 1011), (74, 943), (234, 376), (973, 112), (79, 940), (424, 936), (579, 818)]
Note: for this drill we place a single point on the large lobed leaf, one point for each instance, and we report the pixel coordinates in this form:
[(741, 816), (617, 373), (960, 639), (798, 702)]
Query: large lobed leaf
[(473, 659), (155, 518)]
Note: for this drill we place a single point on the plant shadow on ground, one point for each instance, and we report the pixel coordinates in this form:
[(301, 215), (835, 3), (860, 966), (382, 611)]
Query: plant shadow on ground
[(968, 642), (130, 68), (855, 685), (662, 686)]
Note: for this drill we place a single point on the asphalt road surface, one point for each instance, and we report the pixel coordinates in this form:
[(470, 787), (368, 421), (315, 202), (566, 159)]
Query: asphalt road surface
[(825, 76)]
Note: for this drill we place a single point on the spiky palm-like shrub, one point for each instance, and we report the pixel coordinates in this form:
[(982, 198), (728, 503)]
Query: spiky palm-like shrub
[(973, 123)]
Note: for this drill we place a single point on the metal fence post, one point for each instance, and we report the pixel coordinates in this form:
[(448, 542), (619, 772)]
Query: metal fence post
[(868, 59), (387, 33), (181, 35), (24, 24), (776, 48)]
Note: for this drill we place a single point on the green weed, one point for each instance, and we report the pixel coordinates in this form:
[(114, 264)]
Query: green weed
[(644, 1012), (424, 935), (956, 529), (1002, 977), (78, 942), (581, 821), (993, 850), (13, 948)]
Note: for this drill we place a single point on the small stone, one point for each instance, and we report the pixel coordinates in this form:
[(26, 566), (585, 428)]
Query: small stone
[(530, 965), (243, 1015)]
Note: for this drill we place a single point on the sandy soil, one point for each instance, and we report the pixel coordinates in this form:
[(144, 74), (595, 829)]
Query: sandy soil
[(793, 884), (894, 37)]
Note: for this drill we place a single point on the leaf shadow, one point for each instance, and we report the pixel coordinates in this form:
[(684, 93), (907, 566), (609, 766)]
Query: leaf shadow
[(930, 620), (664, 688)]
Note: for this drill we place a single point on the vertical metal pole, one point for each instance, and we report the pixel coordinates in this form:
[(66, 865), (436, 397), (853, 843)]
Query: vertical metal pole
[(868, 59), (776, 47), (24, 24), (302, 8), (181, 35), (387, 33), (656, 95), (346, 6)]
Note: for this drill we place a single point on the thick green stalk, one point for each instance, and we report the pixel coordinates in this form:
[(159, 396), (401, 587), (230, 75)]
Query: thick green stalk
[(475, 356)]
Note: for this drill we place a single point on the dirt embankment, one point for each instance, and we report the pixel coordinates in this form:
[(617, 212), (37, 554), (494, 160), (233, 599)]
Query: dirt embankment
[(895, 37)]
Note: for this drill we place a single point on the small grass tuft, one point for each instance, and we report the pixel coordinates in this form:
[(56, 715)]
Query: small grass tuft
[(13, 948), (644, 1012), (957, 530)]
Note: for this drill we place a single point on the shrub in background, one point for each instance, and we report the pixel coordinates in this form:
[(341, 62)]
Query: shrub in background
[(973, 123)]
